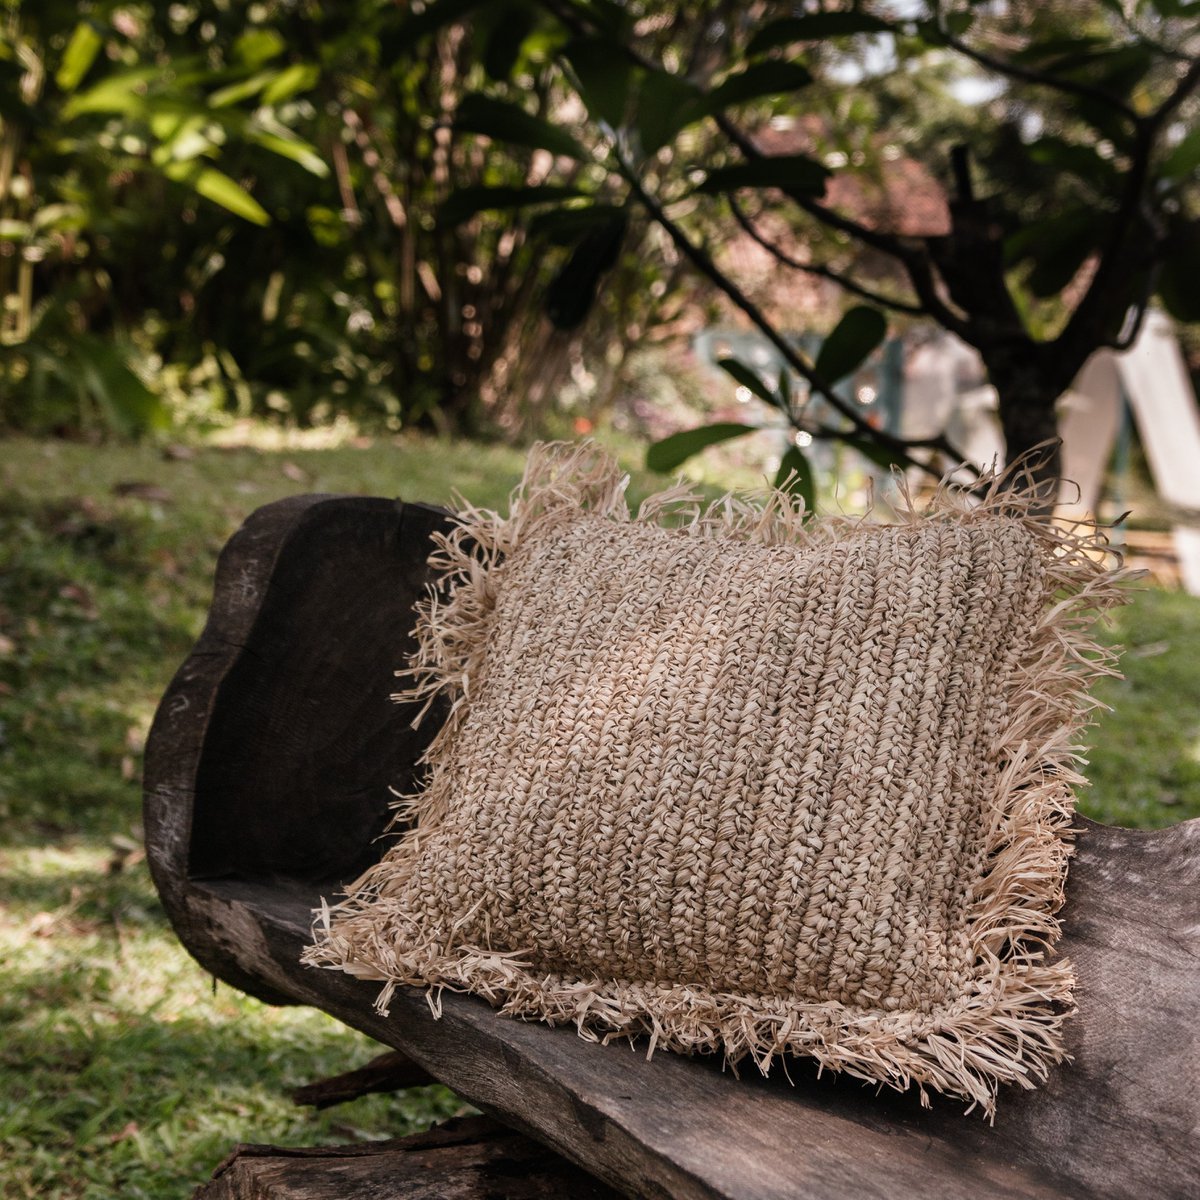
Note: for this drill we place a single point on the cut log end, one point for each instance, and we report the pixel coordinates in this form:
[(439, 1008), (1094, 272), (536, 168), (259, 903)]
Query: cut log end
[(471, 1158)]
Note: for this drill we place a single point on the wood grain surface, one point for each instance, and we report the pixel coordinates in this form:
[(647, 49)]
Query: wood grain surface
[(472, 1158)]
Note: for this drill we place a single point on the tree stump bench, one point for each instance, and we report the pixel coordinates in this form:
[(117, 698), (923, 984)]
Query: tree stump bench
[(268, 771)]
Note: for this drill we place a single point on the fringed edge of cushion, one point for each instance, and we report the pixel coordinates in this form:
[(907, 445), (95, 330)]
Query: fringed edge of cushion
[(1006, 1030)]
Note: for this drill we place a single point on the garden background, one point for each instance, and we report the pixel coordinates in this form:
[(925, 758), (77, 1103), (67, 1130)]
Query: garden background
[(254, 249)]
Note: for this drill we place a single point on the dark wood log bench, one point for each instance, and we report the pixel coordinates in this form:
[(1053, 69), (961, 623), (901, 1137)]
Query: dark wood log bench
[(267, 784)]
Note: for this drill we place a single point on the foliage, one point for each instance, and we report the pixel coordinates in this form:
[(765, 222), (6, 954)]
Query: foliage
[(237, 204), (111, 200), (453, 212), (1095, 210)]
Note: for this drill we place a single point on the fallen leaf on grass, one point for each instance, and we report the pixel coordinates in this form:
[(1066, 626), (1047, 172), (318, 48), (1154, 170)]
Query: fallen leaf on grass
[(137, 489), (125, 853), (82, 597), (1150, 650), (294, 473)]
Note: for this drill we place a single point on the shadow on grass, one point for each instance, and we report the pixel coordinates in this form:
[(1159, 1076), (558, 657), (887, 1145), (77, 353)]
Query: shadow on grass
[(112, 1098)]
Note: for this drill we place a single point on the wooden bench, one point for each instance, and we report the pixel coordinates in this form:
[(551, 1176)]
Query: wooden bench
[(267, 777)]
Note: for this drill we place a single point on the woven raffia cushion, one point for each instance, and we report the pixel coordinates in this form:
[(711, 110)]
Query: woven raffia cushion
[(745, 783)]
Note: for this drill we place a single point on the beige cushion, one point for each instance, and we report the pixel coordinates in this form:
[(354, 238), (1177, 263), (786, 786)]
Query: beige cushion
[(747, 784)]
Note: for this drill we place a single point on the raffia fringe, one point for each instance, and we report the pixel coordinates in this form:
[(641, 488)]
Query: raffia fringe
[(1005, 1029)]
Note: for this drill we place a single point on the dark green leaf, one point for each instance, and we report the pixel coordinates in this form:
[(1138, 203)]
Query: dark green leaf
[(791, 172), (468, 201), (795, 475), (572, 292), (1035, 236), (748, 378), (605, 77), (1105, 120), (930, 32), (814, 28), (1177, 282), (78, 57), (511, 26), (1079, 160), (1120, 70), (855, 338), (433, 18), (769, 78), (565, 226), (130, 406), (667, 454), (611, 17), (1183, 158), (1057, 247), (958, 23), (882, 456), (509, 123), (666, 103)]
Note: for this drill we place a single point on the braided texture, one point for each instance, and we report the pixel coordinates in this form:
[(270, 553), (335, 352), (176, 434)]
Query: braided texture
[(747, 784)]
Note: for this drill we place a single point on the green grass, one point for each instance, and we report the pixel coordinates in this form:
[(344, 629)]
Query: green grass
[(1145, 758), (121, 1072)]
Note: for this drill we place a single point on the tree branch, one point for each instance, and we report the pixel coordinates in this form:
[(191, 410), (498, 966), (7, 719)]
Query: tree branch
[(913, 258), (1187, 84), (886, 242), (1011, 70), (1124, 250), (819, 269), (915, 261), (901, 447)]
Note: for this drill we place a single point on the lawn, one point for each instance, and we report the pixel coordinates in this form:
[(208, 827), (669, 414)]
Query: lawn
[(122, 1070)]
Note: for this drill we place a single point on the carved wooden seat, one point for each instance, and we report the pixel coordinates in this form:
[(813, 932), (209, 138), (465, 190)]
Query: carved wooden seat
[(267, 777)]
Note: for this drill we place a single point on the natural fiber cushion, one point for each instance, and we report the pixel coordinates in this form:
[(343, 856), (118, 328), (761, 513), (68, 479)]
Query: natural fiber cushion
[(747, 784)]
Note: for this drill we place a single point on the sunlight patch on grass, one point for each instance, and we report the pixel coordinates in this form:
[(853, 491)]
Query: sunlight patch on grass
[(122, 1071), (258, 435)]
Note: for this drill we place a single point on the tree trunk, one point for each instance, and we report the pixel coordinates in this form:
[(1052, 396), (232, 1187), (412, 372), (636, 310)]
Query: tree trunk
[(1030, 423), (1028, 389)]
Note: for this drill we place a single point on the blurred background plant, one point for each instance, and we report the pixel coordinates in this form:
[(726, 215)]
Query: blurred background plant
[(484, 217), (220, 209)]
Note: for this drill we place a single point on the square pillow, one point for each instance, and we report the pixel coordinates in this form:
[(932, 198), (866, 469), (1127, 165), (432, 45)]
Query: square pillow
[(745, 782)]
